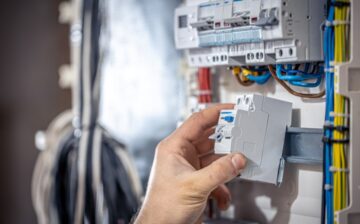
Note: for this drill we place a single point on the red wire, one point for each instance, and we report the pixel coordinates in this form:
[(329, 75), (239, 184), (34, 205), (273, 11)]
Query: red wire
[(209, 85), (200, 85), (204, 81), (203, 98)]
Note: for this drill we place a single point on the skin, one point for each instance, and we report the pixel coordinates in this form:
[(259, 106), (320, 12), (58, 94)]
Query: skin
[(185, 173)]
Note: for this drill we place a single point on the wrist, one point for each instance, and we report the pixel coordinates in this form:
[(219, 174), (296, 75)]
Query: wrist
[(153, 214), (144, 217), (139, 218)]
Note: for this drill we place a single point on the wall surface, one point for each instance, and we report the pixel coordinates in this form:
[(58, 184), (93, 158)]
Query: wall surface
[(33, 45)]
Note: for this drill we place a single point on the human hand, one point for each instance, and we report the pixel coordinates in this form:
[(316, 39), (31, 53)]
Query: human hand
[(185, 173)]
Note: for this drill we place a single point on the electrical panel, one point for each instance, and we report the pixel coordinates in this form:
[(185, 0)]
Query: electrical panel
[(256, 128), (299, 51), (256, 32)]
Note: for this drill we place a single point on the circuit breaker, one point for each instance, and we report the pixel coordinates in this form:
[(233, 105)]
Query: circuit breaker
[(256, 32), (256, 128)]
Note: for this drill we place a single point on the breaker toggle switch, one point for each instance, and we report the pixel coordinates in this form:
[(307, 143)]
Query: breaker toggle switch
[(229, 119)]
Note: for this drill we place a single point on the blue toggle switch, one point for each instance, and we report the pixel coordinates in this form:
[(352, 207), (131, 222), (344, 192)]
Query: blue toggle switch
[(229, 119)]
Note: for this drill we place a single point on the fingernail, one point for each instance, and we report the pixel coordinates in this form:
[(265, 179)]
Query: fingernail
[(238, 161)]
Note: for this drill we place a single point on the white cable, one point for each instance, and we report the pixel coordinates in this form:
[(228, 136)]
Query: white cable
[(42, 180), (97, 185), (130, 169), (86, 117)]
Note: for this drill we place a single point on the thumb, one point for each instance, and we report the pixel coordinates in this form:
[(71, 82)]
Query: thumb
[(220, 171)]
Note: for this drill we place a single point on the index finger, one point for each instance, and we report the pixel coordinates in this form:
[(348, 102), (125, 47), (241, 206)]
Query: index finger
[(194, 127)]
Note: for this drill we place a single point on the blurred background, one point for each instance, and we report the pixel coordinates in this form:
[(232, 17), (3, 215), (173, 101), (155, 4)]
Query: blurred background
[(139, 75), (33, 46)]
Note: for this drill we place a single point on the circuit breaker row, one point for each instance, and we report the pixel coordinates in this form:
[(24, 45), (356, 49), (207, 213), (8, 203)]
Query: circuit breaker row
[(256, 32)]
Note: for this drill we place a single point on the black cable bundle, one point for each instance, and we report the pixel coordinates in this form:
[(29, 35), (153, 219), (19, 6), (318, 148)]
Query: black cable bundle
[(86, 176), (119, 196), (65, 176)]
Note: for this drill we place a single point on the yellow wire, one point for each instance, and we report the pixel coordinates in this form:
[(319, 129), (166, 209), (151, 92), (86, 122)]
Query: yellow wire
[(236, 71), (340, 104)]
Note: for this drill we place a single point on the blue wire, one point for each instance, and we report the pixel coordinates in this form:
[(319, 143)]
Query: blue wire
[(262, 79), (307, 77), (297, 77), (329, 85), (304, 73), (306, 84), (297, 73)]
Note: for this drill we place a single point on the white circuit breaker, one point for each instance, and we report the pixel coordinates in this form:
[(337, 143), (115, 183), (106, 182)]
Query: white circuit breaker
[(256, 127), (250, 32)]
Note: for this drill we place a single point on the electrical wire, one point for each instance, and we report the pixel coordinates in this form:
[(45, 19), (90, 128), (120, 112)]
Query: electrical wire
[(261, 79), (84, 175), (242, 81), (260, 75), (257, 74), (247, 76), (297, 77), (99, 196), (329, 86), (290, 90), (42, 181), (336, 50), (340, 104), (204, 83)]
